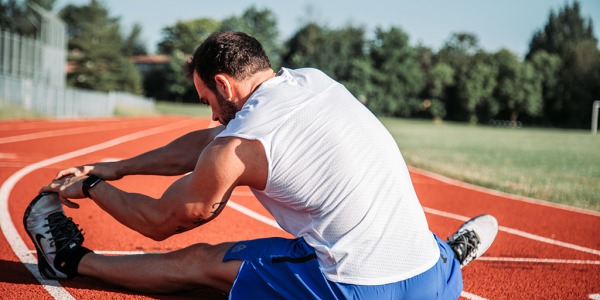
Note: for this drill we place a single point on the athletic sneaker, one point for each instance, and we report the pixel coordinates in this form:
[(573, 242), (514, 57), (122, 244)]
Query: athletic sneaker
[(473, 238), (53, 234)]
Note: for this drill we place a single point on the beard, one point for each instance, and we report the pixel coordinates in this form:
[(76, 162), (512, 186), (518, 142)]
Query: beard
[(228, 109)]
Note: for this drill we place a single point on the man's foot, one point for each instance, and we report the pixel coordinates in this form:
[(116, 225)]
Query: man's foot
[(473, 238), (54, 235)]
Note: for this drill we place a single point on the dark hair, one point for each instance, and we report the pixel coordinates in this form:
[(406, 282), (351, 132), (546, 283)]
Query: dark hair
[(233, 53)]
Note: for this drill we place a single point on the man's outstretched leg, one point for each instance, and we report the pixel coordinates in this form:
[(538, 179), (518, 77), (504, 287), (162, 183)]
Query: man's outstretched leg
[(58, 242)]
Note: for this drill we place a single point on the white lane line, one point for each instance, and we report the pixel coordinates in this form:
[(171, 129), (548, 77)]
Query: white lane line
[(63, 132), (46, 123), (471, 296), (253, 214), (502, 194), (517, 232), (7, 226), (540, 260)]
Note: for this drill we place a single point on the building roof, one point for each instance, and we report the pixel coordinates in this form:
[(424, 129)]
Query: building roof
[(151, 59)]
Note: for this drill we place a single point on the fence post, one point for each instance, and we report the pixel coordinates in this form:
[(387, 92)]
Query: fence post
[(595, 108)]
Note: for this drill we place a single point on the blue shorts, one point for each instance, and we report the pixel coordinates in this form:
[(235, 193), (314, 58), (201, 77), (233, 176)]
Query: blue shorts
[(278, 268)]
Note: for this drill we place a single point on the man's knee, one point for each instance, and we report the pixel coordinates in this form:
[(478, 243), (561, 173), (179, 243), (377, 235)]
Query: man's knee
[(203, 264)]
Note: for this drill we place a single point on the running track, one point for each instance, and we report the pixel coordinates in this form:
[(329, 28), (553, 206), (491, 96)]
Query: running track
[(542, 251)]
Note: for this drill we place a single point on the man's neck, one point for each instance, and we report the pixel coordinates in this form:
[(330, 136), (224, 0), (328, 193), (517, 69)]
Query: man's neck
[(248, 86)]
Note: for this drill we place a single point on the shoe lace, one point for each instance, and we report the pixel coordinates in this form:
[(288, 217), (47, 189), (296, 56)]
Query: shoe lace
[(64, 231), (465, 244)]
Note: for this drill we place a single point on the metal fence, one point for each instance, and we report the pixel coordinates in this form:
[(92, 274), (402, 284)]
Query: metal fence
[(65, 102), (41, 57), (33, 75)]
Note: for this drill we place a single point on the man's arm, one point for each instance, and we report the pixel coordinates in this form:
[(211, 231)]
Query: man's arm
[(176, 158), (191, 201)]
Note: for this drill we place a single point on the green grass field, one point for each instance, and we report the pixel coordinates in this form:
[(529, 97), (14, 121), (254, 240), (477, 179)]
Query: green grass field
[(561, 166)]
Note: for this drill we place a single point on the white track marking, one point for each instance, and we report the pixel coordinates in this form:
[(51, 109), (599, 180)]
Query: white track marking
[(8, 228), (47, 123), (594, 296), (502, 194), (540, 260), (517, 232), (62, 132), (471, 296), (548, 240), (253, 214)]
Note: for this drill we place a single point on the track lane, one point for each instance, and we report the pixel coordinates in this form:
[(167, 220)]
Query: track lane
[(451, 199)]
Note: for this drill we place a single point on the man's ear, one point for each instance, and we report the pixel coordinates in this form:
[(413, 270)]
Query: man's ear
[(224, 86)]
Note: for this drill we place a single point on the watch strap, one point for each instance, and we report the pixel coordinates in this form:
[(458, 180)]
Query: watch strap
[(89, 183)]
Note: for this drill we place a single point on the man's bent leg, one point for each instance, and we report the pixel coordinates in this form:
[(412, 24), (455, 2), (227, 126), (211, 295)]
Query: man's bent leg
[(192, 267)]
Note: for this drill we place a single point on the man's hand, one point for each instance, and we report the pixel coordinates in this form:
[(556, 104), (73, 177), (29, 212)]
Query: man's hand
[(106, 171), (68, 187)]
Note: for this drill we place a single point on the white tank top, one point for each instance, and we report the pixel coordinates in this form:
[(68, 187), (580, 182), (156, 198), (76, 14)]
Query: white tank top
[(337, 179)]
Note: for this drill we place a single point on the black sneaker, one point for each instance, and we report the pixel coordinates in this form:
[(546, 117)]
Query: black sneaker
[(473, 238), (52, 233)]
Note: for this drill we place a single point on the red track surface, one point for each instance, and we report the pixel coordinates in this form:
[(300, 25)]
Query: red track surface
[(542, 251)]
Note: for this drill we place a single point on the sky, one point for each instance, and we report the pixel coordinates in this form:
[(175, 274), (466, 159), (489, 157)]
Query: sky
[(498, 24)]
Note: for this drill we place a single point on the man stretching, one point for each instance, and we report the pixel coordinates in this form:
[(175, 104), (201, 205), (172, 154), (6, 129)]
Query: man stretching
[(317, 159)]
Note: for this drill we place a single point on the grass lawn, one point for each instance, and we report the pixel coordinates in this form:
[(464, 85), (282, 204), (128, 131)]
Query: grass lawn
[(561, 166)]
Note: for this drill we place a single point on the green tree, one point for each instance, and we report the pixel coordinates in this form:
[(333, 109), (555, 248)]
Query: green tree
[(519, 88), (262, 25), (19, 18), (571, 37), (133, 44), (178, 42), (44, 4), (95, 42), (563, 29), (302, 49), (547, 66), (340, 53), (438, 78), (186, 36), (471, 93), (580, 78), (476, 83), (397, 77), (177, 86)]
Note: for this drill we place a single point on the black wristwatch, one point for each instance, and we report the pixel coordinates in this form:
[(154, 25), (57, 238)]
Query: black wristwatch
[(89, 183)]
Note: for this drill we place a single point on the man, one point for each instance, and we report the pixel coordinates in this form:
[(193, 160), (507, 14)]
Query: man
[(315, 157)]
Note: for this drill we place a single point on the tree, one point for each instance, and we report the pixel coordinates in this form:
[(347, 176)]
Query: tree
[(438, 78), (133, 45), (519, 88), (179, 41), (186, 36), (571, 37), (397, 76), (302, 49), (580, 79), (458, 49), (340, 53), (476, 83), (561, 31), (262, 25), (45, 4), (471, 94), (95, 42), (19, 18), (547, 66)]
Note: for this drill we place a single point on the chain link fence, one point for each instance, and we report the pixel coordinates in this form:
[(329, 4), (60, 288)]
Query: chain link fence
[(33, 74)]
